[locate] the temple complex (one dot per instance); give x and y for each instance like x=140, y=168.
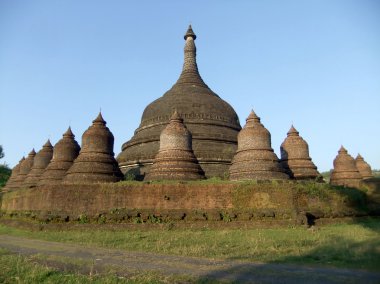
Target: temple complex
x=25, y=168
x=255, y=158
x=345, y=172
x=363, y=167
x=213, y=123
x=96, y=162
x=65, y=152
x=295, y=157
x=41, y=161
x=175, y=159
x=12, y=181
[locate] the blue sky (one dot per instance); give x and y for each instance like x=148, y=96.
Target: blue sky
x=312, y=63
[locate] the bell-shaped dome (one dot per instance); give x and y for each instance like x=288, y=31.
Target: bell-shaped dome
x=295, y=157
x=254, y=135
x=12, y=181
x=25, y=168
x=345, y=172
x=41, y=161
x=96, y=162
x=175, y=159
x=65, y=152
x=363, y=167
x=255, y=158
x=213, y=123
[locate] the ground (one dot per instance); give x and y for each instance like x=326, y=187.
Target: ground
x=191, y=252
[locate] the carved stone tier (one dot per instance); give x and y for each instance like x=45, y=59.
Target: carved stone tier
x=65, y=152
x=363, y=167
x=12, y=181
x=213, y=122
x=255, y=158
x=25, y=168
x=41, y=161
x=175, y=159
x=345, y=172
x=96, y=162
x=295, y=157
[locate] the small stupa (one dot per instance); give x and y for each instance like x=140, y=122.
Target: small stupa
x=96, y=162
x=295, y=157
x=25, y=168
x=254, y=158
x=345, y=172
x=41, y=161
x=65, y=152
x=12, y=181
x=363, y=167
x=175, y=159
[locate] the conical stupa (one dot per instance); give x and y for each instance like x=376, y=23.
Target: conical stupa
x=12, y=181
x=363, y=167
x=345, y=172
x=295, y=157
x=65, y=152
x=213, y=123
x=41, y=161
x=255, y=158
x=175, y=159
x=96, y=162
x=25, y=168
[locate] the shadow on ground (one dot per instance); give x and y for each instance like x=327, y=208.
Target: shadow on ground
x=313, y=267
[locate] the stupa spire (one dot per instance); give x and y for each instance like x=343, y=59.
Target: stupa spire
x=190, y=73
x=252, y=117
x=293, y=131
x=176, y=117
x=190, y=33
x=99, y=119
x=69, y=133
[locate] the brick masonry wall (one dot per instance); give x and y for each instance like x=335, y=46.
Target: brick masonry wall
x=285, y=200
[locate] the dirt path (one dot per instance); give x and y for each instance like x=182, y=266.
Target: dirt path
x=74, y=257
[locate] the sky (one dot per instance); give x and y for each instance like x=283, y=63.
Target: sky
x=315, y=64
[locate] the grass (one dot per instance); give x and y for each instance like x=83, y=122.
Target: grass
x=21, y=269
x=340, y=245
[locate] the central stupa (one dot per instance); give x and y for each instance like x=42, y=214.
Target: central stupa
x=213, y=123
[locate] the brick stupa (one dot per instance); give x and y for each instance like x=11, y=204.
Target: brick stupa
x=41, y=161
x=345, y=172
x=96, y=162
x=213, y=123
x=25, y=168
x=65, y=152
x=255, y=158
x=363, y=167
x=175, y=159
x=12, y=181
x=295, y=157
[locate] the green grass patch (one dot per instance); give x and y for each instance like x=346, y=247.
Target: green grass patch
x=30, y=269
x=341, y=245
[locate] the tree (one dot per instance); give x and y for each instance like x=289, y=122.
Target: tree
x=5, y=171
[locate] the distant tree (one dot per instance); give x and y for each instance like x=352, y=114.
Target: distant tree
x=1, y=152
x=5, y=171
x=376, y=172
x=326, y=175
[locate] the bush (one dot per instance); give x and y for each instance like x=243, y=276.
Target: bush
x=5, y=173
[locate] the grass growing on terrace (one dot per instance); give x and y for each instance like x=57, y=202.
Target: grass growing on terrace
x=341, y=245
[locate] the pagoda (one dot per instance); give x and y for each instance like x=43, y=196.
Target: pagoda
x=175, y=159
x=213, y=123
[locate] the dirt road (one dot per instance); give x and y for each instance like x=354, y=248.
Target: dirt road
x=97, y=260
